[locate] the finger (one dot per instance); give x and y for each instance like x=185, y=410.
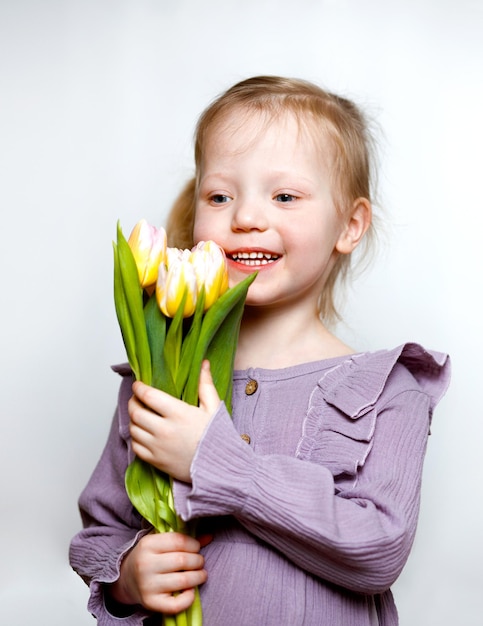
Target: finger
x=142, y=418
x=173, y=604
x=176, y=582
x=141, y=446
x=172, y=542
x=146, y=395
x=208, y=395
x=158, y=401
x=169, y=564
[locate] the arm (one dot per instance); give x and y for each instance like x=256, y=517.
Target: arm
x=111, y=526
x=115, y=553
x=358, y=538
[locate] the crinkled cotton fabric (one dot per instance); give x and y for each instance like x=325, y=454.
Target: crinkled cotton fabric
x=310, y=489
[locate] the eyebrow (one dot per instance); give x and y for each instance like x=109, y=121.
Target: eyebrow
x=273, y=175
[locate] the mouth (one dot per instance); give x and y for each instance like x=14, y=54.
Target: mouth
x=253, y=259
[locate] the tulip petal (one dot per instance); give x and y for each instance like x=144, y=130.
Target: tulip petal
x=177, y=282
x=209, y=261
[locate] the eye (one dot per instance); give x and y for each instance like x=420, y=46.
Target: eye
x=219, y=198
x=285, y=197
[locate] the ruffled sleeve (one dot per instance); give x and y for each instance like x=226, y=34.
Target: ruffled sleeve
x=343, y=408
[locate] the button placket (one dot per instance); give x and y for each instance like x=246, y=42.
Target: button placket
x=250, y=388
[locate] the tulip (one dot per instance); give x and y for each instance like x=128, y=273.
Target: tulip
x=174, y=281
x=209, y=261
x=148, y=246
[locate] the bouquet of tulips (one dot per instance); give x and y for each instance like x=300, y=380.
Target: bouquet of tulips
x=174, y=309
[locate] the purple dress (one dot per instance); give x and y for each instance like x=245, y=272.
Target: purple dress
x=311, y=492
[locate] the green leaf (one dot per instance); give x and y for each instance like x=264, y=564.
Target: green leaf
x=221, y=352
x=123, y=316
x=146, y=488
x=189, y=343
x=134, y=299
x=172, y=345
x=212, y=321
x=156, y=329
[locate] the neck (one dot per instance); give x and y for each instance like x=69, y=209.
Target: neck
x=277, y=338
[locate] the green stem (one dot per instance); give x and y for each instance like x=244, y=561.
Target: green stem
x=182, y=619
x=195, y=611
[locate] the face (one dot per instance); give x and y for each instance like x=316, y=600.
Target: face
x=265, y=196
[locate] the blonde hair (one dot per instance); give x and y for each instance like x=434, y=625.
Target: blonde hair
x=335, y=117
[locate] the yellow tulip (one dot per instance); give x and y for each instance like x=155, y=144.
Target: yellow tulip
x=148, y=245
x=174, y=280
x=211, y=270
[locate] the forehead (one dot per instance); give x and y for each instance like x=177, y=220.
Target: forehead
x=240, y=130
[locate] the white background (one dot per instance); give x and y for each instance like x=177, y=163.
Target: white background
x=98, y=103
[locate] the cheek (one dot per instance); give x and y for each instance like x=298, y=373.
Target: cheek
x=200, y=229
x=206, y=226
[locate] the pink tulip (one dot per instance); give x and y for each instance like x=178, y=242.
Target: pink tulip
x=211, y=270
x=148, y=245
x=174, y=280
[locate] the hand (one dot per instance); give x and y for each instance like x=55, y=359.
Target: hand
x=160, y=565
x=166, y=431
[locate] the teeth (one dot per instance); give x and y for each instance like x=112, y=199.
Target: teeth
x=254, y=258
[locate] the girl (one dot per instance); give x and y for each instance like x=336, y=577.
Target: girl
x=309, y=495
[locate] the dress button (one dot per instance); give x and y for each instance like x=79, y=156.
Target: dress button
x=245, y=437
x=251, y=387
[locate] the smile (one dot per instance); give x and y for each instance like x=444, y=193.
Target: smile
x=254, y=258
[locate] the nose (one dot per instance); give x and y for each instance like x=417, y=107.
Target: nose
x=249, y=215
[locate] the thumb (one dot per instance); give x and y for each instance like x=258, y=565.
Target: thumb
x=209, y=398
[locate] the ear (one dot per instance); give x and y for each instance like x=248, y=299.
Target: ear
x=356, y=227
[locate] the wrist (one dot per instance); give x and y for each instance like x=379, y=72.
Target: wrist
x=118, y=609
x=119, y=592
x=118, y=601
